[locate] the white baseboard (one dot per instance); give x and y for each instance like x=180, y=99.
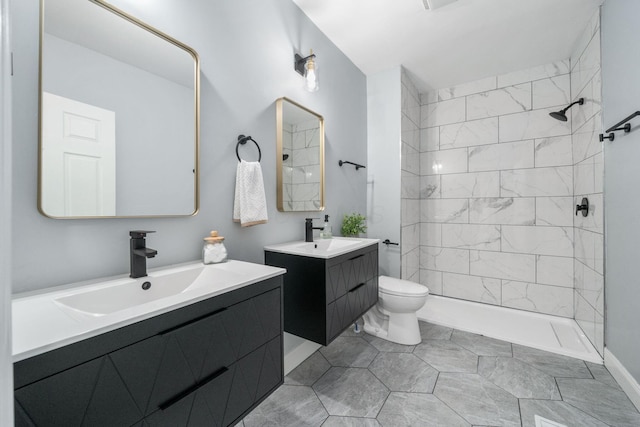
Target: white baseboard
x=623, y=377
x=298, y=355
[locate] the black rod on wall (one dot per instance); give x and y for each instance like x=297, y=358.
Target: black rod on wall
x=342, y=162
x=626, y=128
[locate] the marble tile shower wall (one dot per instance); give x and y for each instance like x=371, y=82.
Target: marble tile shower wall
x=410, y=180
x=587, y=182
x=302, y=168
x=496, y=191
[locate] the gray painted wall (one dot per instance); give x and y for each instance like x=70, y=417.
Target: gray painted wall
x=621, y=97
x=246, y=50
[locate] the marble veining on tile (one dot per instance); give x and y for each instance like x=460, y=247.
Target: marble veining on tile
x=341, y=392
x=605, y=403
x=506, y=100
x=481, y=403
x=518, y=378
x=413, y=409
x=404, y=372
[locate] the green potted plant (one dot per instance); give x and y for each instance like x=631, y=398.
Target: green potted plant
x=353, y=225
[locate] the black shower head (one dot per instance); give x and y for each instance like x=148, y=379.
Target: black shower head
x=560, y=115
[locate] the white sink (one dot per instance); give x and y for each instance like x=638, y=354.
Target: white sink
x=123, y=294
x=322, y=248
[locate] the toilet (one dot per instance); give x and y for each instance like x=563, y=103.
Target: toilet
x=394, y=318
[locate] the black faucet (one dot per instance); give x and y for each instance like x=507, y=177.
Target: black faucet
x=308, y=229
x=139, y=253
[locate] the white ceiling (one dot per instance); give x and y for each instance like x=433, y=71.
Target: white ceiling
x=458, y=43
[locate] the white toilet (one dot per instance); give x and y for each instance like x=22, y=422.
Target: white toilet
x=394, y=318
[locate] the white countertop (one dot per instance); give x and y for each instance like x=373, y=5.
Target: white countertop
x=40, y=324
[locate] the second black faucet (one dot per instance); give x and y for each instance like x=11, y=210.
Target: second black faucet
x=308, y=229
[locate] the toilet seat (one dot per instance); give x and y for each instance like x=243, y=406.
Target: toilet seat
x=404, y=288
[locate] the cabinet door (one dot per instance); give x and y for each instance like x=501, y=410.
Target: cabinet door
x=337, y=314
x=91, y=394
x=252, y=323
x=254, y=377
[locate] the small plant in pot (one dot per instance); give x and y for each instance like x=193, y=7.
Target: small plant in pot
x=353, y=225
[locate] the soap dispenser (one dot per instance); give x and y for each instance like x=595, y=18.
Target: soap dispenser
x=325, y=233
x=214, y=251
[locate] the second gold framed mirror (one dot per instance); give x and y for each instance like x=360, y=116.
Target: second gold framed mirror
x=299, y=157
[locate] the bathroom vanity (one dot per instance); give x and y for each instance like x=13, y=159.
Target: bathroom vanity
x=204, y=356
x=329, y=284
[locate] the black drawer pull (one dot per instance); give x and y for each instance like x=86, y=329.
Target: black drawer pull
x=182, y=325
x=356, y=257
x=356, y=287
x=175, y=399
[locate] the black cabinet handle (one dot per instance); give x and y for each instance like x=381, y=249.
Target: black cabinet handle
x=356, y=287
x=356, y=257
x=182, y=325
x=175, y=399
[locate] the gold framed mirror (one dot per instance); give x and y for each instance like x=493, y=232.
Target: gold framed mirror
x=119, y=115
x=299, y=157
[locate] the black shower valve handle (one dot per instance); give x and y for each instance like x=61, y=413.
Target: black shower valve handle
x=584, y=207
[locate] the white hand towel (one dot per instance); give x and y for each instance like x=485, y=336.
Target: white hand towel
x=249, y=204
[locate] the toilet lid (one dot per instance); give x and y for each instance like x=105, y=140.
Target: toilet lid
x=393, y=286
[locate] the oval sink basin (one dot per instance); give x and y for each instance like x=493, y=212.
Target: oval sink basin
x=322, y=248
x=123, y=294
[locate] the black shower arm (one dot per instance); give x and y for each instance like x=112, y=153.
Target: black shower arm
x=626, y=128
x=579, y=101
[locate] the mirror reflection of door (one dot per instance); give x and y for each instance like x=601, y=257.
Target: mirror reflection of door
x=79, y=151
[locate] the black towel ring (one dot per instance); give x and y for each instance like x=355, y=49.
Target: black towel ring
x=243, y=140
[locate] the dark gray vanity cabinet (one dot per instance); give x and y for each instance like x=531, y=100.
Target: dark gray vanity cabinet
x=207, y=364
x=322, y=297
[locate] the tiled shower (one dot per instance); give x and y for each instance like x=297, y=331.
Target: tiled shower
x=490, y=184
x=301, y=178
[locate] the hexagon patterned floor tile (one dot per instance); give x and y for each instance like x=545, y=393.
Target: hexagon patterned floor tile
x=453, y=378
x=404, y=372
x=288, y=406
x=351, y=392
x=518, y=378
x=349, y=352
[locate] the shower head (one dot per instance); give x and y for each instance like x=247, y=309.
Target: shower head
x=561, y=115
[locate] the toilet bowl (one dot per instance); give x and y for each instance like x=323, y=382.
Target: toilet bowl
x=394, y=318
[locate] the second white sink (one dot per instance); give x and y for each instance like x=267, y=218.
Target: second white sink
x=322, y=248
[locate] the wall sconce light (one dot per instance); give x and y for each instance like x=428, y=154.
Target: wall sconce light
x=306, y=67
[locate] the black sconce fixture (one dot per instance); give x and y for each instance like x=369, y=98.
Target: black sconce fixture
x=560, y=115
x=306, y=67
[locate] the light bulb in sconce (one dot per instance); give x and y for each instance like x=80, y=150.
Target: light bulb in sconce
x=437, y=167
x=308, y=69
x=310, y=75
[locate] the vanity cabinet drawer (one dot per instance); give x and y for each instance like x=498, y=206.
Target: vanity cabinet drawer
x=192, y=368
x=350, y=270
x=224, y=397
x=344, y=311
x=322, y=297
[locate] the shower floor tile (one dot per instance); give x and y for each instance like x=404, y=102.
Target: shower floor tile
x=452, y=378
